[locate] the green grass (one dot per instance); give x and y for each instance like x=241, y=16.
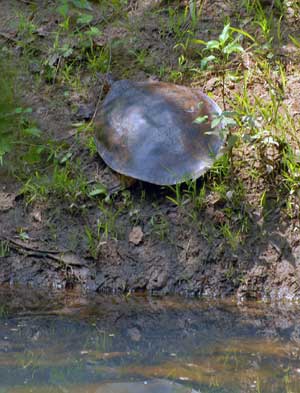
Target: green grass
x=4, y=248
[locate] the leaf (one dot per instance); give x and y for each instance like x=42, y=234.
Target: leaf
x=82, y=4
x=33, y=131
x=66, y=157
x=33, y=155
x=294, y=41
x=20, y=110
x=66, y=51
x=213, y=44
x=232, y=140
x=223, y=37
x=201, y=119
x=63, y=10
x=100, y=189
x=228, y=122
x=233, y=47
x=84, y=19
x=173, y=200
x=229, y=113
x=94, y=31
x=196, y=41
x=216, y=122
x=206, y=60
x=24, y=235
x=240, y=31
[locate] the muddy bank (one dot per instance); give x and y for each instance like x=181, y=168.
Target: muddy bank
x=172, y=257
x=233, y=233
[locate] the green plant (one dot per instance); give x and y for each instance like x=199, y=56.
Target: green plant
x=99, y=61
x=4, y=248
x=93, y=242
x=26, y=29
x=106, y=223
x=177, y=23
x=65, y=6
x=195, y=9
x=21, y=144
x=263, y=22
x=64, y=182
x=291, y=172
x=220, y=171
x=232, y=237
x=177, y=199
x=160, y=226
x=105, y=228
x=219, y=52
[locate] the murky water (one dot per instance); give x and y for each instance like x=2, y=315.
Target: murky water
x=103, y=344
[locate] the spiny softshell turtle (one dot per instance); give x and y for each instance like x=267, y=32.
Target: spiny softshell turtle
x=147, y=130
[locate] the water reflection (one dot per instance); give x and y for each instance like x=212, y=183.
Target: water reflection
x=109, y=344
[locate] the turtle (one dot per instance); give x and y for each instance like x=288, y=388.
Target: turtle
x=151, y=131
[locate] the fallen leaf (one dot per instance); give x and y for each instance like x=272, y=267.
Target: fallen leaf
x=136, y=235
x=37, y=215
x=6, y=201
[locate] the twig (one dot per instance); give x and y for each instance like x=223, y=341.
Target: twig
x=28, y=248
x=56, y=255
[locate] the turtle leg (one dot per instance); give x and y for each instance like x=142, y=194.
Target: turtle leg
x=124, y=183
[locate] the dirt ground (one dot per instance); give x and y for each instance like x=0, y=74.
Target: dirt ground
x=149, y=244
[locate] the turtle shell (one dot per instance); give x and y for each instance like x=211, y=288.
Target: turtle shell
x=146, y=130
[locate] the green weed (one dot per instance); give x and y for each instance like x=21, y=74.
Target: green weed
x=63, y=182
x=4, y=248
x=219, y=52
x=291, y=176
x=26, y=29
x=232, y=237
x=177, y=199
x=160, y=226
x=93, y=242
x=106, y=223
x=99, y=61
x=21, y=142
x=106, y=227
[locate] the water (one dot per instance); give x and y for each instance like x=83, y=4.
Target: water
x=71, y=343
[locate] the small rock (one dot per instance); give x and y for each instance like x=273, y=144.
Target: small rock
x=136, y=235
